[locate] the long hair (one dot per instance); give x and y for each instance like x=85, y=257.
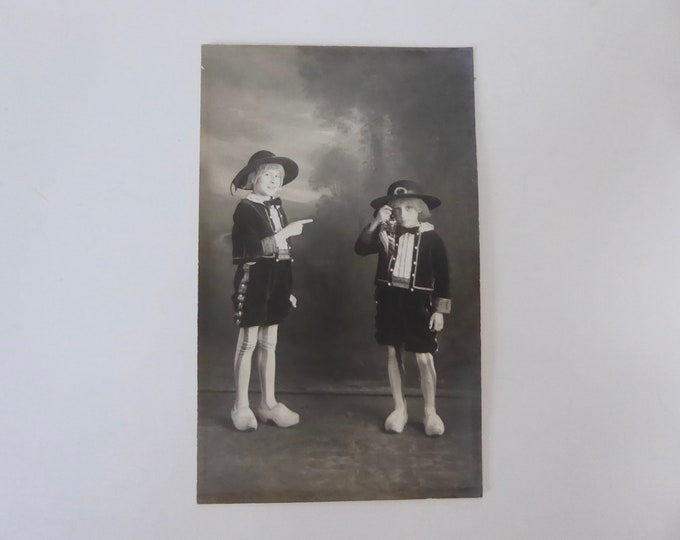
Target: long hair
x=254, y=176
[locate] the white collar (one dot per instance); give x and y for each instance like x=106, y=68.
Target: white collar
x=260, y=199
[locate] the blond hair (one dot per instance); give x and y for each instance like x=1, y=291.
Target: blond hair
x=254, y=176
x=423, y=210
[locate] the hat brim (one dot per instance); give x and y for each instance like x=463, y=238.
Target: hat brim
x=290, y=169
x=431, y=201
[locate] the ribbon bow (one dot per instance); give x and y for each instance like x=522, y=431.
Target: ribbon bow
x=272, y=202
x=401, y=230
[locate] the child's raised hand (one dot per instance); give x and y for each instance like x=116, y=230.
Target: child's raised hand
x=436, y=322
x=293, y=229
x=383, y=215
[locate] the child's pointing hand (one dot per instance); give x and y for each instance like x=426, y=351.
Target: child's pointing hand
x=293, y=229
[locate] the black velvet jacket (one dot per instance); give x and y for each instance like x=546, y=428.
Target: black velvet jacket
x=430, y=271
x=252, y=237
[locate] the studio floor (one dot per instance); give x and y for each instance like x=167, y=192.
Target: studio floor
x=339, y=451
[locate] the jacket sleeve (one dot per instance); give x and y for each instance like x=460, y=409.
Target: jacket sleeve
x=441, y=296
x=246, y=242
x=368, y=242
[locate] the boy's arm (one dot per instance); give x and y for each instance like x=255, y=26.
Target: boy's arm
x=368, y=242
x=246, y=241
x=441, y=296
x=247, y=246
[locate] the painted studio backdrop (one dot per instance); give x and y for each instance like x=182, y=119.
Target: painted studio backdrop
x=354, y=120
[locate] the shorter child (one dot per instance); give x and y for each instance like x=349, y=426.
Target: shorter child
x=263, y=283
x=411, y=293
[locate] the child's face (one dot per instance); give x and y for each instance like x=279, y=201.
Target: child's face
x=406, y=212
x=268, y=181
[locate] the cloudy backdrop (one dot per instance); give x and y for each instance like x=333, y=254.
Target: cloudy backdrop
x=355, y=120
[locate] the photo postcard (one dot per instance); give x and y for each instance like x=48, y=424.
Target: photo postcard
x=339, y=308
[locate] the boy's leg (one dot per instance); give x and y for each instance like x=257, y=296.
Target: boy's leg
x=397, y=419
x=267, y=337
x=241, y=415
x=269, y=409
x=428, y=382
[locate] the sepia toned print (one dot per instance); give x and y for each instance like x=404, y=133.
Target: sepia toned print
x=366, y=416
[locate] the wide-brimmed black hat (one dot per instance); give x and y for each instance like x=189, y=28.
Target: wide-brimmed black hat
x=264, y=157
x=405, y=189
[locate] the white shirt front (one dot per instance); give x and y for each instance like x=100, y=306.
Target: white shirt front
x=401, y=273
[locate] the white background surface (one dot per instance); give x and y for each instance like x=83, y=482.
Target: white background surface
x=579, y=176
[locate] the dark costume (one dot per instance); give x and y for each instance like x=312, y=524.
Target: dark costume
x=406, y=299
x=404, y=306
x=263, y=281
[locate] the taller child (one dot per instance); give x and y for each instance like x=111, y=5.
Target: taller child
x=411, y=291
x=263, y=283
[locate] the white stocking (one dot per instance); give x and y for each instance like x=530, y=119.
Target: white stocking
x=247, y=339
x=394, y=375
x=396, y=421
x=266, y=362
x=428, y=379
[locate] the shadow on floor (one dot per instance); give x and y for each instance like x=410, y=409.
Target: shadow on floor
x=338, y=452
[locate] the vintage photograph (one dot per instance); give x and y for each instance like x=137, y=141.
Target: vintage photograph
x=338, y=301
